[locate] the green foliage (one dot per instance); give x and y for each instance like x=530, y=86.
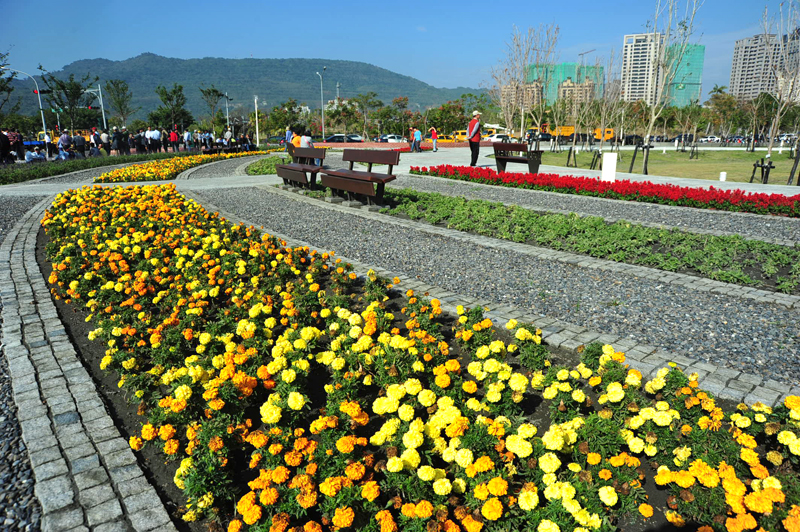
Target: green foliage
x=119, y=99
x=6, y=88
x=724, y=258
x=172, y=112
x=25, y=172
x=264, y=166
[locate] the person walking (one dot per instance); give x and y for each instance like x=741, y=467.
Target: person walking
x=434, y=137
x=474, y=137
x=418, y=140
x=125, y=141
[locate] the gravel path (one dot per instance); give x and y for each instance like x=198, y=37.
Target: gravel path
x=727, y=331
x=225, y=168
x=20, y=509
x=750, y=226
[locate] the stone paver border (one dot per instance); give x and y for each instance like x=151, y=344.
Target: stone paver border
x=723, y=382
x=86, y=476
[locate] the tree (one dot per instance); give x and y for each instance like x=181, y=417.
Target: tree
x=173, y=109
x=724, y=111
x=165, y=118
x=69, y=95
x=539, y=76
x=449, y=117
x=212, y=96
x=6, y=88
x=119, y=99
x=366, y=103
x=610, y=105
x=672, y=31
x=783, y=62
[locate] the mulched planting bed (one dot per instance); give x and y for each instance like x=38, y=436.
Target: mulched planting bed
x=225, y=338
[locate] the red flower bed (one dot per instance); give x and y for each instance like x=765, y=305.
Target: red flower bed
x=407, y=149
x=711, y=198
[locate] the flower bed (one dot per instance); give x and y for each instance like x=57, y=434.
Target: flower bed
x=281, y=387
x=165, y=169
x=713, y=198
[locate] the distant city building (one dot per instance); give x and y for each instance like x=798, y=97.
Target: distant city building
x=756, y=58
x=640, y=53
x=687, y=85
x=577, y=93
x=574, y=78
x=527, y=94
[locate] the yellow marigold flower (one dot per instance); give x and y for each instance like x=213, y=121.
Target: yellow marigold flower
x=646, y=510
x=423, y=509
x=135, y=443
x=492, y=509
x=370, y=490
x=498, y=486
x=546, y=525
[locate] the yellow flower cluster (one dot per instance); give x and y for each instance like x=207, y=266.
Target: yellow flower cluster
x=164, y=168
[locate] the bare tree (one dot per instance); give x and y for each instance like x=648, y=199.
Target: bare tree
x=783, y=61
x=610, y=105
x=672, y=27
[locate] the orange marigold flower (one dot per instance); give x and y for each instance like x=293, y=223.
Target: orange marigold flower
x=166, y=432
x=355, y=471
x=293, y=458
x=149, y=432
x=370, y=490
x=268, y=496
x=135, y=443
x=171, y=446
x=593, y=458
x=408, y=509
x=215, y=443
x=469, y=386
x=280, y=475
x=235, y=526
x=646, y=510
x=605, y=474
x=423, y=509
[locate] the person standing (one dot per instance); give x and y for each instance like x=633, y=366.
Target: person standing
x=173, y=139
x=125, y=141
x=5, y=147
x=227, y=137
x=48, y=142
x=80, y=144
x=287, y=138
x=474, y=137
x=105, y=140
x=434, y=137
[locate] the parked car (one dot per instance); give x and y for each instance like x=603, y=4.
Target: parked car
x=710, y=138
x=394, y=138
x=276, y=140
x=339, y=137
x=497, y=137
x=441, y=138
x=354, y=138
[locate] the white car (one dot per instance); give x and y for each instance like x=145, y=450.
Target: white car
x=497, y=137
x=394, y=138
x=710, y=138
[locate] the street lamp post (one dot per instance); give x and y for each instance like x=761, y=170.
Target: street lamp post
x=258, y=139
x=322, y=102
x=38, y=94
x=227, y=115
x=99, y=92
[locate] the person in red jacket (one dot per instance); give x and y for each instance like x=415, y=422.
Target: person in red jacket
x=474, y=136
x=173, y=140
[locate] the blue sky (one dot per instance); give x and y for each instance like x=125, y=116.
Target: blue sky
x=443, y=43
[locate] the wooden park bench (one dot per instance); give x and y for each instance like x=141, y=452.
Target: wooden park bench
x=503, y=155
x=370, y=184
x=302, y=171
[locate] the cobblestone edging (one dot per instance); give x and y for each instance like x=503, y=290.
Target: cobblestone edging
x=722, y=382
x=87, y=477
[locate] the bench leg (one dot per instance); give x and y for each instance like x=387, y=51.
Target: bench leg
x=379, y=194
x=501, y=165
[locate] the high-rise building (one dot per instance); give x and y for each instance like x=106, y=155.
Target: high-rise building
x=577, y=93
x=552, y=78
x=687, y=84
x=757, y=59
x=640, y=53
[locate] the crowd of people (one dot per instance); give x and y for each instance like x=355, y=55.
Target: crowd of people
x=119, y=141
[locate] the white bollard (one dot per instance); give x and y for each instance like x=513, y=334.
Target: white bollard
x=723, y=176
x=663, y=151
x=609, y=167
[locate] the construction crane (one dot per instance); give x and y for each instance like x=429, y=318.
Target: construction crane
x=581, y=55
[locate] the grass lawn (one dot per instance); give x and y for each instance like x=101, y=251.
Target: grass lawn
x=738, y=164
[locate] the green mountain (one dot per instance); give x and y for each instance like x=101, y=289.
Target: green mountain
x=273, y=80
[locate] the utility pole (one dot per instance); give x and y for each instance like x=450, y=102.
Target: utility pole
x=337, y=90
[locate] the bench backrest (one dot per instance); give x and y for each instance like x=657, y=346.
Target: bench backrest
x=371, y=157
x=302, y=155
x=510, y=147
